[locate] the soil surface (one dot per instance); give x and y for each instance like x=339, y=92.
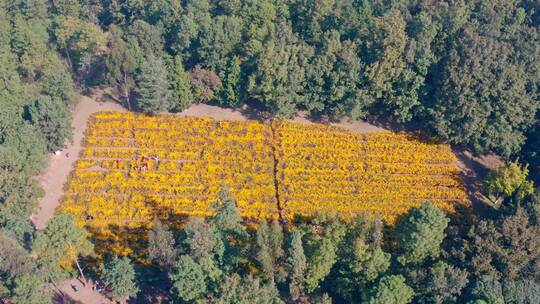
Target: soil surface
x=473, y=169
x=74, y=292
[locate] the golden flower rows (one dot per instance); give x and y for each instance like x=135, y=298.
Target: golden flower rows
x=324, y=168
x=134, y=165
x=137, y=167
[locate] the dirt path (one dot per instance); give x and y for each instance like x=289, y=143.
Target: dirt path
x=204, y=110
x=54, y=178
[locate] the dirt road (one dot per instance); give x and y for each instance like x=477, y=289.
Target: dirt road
x=55, y=176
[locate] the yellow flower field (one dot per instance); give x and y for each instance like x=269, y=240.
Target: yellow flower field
x=322, y=168
x=137, y=167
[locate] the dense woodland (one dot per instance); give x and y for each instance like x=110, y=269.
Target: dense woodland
x=467, y=72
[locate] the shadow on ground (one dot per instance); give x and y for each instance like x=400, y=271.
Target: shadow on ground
x=64, y=299
x=473, y=170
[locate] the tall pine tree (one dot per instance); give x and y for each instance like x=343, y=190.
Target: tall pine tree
x=297, y=265
x=230, y=90
x=153, y=86
x=182, y=96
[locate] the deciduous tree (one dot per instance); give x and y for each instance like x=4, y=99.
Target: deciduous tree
x=161, y=245
x=481, y=96
x=205, y=83
x=279, y=79
x=60, y=245
x=335, y=82
x=120, y=64
x=246, y=290
x=189, y=281
x=510, y=180
x=219, y=42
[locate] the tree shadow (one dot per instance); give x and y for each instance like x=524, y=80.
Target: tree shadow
x=154, y=285
x=130, y=238
x=64, y=299
x=255, y=111
x=471, y=175
x=113, y=239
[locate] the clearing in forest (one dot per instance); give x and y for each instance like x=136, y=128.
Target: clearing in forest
x=136, y=167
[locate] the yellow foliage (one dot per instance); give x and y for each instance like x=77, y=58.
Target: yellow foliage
x=136, y=167
x=324, y=168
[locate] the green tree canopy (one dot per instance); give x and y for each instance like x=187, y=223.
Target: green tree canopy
x=334, y=83
x=269, y=250
x=119, y=277
x=24, y=150
x=219, y=41
x=53, y=119
x=31, y=289
x=321, y=241
x=391, y=289
x=200, y=239
x=504, y=247
x=279, y=79
x=296, y=262
x=189, y=280
x=390, y=78
x=441, y=283
x=60, y=245
x=153, y=93
x=182, y=97
x=149, y=37
x=246, y=290
x=227, y=224
x=120, y=64
x=231, y=86
x=78, y=38
x=361, y=259
x=420, y=234
x=19, y=195
x=481, y=97
x=509, y=180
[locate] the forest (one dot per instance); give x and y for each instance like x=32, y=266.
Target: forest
x=465, y=72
